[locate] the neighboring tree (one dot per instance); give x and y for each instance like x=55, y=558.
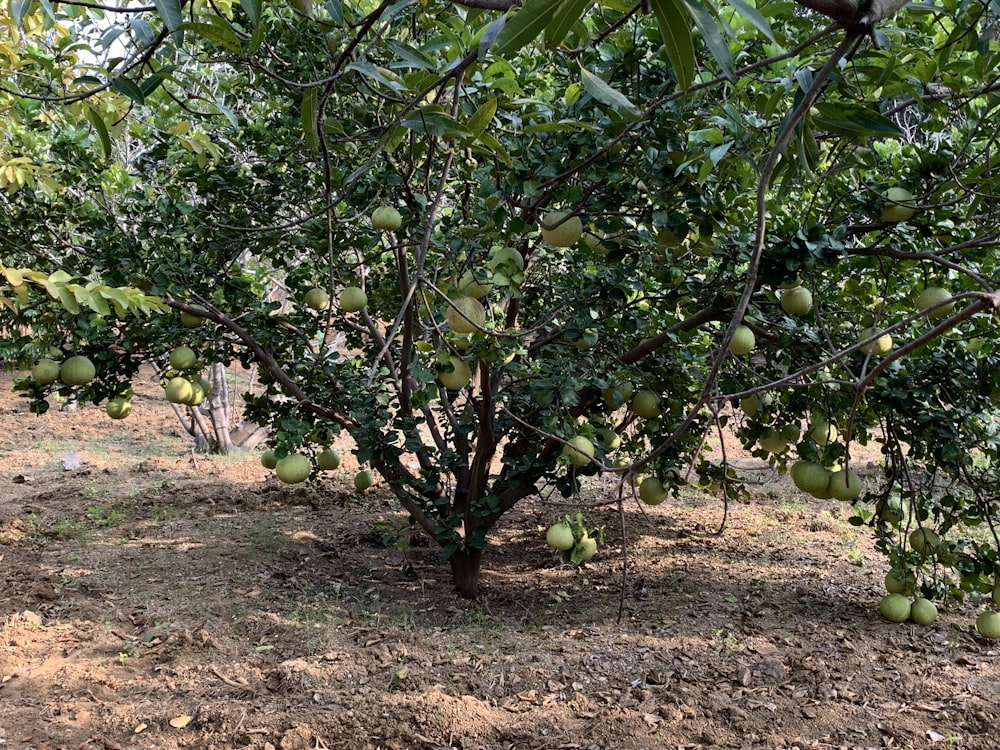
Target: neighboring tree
x=553, y=242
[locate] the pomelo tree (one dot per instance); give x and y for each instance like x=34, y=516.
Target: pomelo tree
x=538, y=232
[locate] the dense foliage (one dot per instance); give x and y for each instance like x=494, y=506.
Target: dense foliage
x=806, y=183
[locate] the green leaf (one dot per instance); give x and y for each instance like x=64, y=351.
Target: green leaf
x=488, y=143
x=851, y=119
x=129, y=88
x=482, y=117
x=601, y=90
x=755, y=17
x=253, y=9
x=567, y=13
x=524, y=26
x=305, y=7
x=65, y=296
x=97, y=122
x=19, y=9
x=714, y=40
x=309, y=104
x=216, y=32
x=675, y=29
x=170, y=12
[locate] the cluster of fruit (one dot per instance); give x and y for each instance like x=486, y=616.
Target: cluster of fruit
x=183, y=384
x=573, y=539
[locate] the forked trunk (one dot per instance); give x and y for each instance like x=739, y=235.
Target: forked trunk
x=465, y=567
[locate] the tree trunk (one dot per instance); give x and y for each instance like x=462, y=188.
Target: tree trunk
x=465, y=567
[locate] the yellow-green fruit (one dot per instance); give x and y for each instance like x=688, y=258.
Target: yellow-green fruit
x=900, y=582
x=561, y=232
x=615, y=396
x=183, y=358
x=923, y=611
x=317, y=298
x=77, y=370
x=845, y=485
x=205, y=384
x=823, y=432
x=588, y=548
x=811, y=477
x=268, y=460
x=118, y=408
x=935, y=295
x=327, y=459
x=293, y=468
x=646, y=404
x=743, y=341
x=560, y=537
x=363, y=480
x=797, y=301
x=790, y=432
x=899, y=206
x=190, y=320
x=179, y=390
x=751, y=405
x=609, y=437
x=652, y=491
x=894, y=607
x=924, y=541
x=772, y=441
x=891, y=511
x=353, y=299
x=387, y=219
x=45, y=371
x=502, y=256
x=579, y=450
x=475, y=284
x=197, y=394
x=457, y=377
x=880, y=346
x=988, y=624
x=465, y=315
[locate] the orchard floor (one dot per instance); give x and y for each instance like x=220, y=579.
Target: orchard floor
x=154, y=599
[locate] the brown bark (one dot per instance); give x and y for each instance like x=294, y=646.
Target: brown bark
x=466, y=565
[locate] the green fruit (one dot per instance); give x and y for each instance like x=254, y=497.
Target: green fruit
x=179, y=390
x=118, y=408
x=935, y=295
x=353, y=299
x=501, y=256
x=823, y=432
x=790, y=432
x=797, y=301
x=190, y=320
x=811, y=477
x=465, y=315
x=197, y=394
x=293, y=468
x=268, y=460
x=988, y=624
x=327, y=459
x=646, y=404
x=894, y=607
x=45, y=371
x=609, y=437
x=458, y=376
x=77, y=370
x=880, y=346
x=899, y=206
x=923, y=611
x=386, y=218
x=924, y=541
x=183, y=358
x=317, y=299
x=892, y=511
x=579, y=450
x=900, y=582
x=751, y=405
x=475, y=284
x=363, y=480
x=743, y=341
x=773, y=441
x=588, y=548
x=561, y=231
x=845, y=485
x=616, y=396
x=560, y=537
x=652, y=491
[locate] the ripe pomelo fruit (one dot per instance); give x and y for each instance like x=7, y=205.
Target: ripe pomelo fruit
x=475, y=283
x=988, y=624
x=190, y=320
x=899, y=206
x=894, y=607
x=386, y=218
x=609, y=437
x=880, y=346
x=615, y=396
x=561, y=231
x=588, y=548
x=924, y=541
x=900, y=582
x=179, y=390
x=923, y=611
x=646, y=404
x=317, y=298
x=810, y=477
x=823, y=432
x=772, y=441
x=652, y=491
x=503, y=256
x=45, y=371
x=293, y=468
x=465, y=315
x=457, y=377
x=845, y=485
x=751, y=405
x=797, y=301
x=353, y=299
x=579, y=450
x=743, y=341
x=560, y=537
x=327, y=459
x=183, y=358
x=935, y=295
x=363, y=480
x=77, y=370
x=118, y=408
x=268, y=460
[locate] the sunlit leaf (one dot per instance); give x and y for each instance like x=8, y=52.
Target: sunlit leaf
x=675, y=29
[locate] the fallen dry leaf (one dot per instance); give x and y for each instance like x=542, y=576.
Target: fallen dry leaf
x=179, y=722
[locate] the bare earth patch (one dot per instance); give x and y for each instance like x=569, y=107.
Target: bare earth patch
x=154, y=599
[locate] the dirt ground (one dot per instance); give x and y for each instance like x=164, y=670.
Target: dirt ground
x=156, y=599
